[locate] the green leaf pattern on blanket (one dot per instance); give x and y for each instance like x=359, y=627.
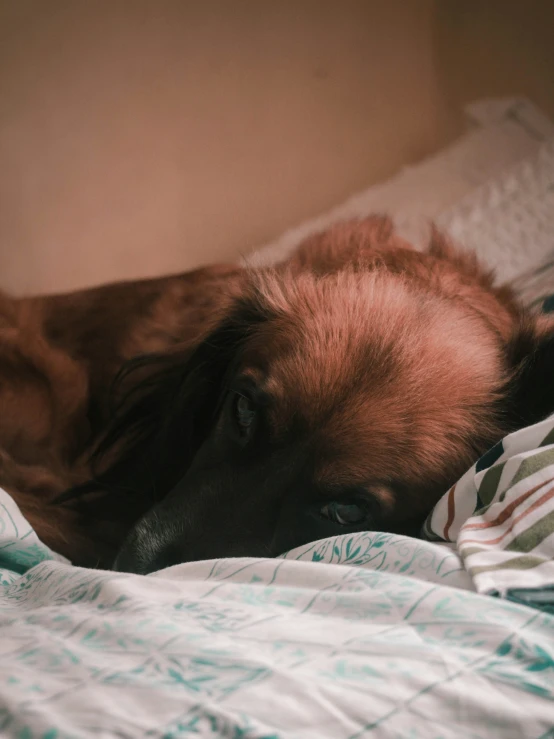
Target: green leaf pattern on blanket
x=221, y=648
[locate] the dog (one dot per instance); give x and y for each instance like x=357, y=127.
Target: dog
x=243, y=412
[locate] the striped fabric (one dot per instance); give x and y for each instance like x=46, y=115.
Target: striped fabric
x=500, y=514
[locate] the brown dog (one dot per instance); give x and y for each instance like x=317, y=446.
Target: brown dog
x=343, y=390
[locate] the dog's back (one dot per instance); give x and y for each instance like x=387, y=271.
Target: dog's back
x=58, y=358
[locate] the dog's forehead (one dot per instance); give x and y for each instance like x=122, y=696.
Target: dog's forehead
x=331, y=339
x=372, y=371
x=320, y=333
x=335, y=347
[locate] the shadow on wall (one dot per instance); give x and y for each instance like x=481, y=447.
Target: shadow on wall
x=498, y=47
x=142, y=138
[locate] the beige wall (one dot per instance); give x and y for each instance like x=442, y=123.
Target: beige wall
x=141, y=137
x=496, y=47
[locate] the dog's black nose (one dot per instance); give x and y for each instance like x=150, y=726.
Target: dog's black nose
x=144, y=552
x=135, y=561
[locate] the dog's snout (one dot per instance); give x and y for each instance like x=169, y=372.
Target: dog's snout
x=149, y=549
x=213, y=523
x=134, y=561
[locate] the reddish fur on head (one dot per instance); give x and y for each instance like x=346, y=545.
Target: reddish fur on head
x=389, y=373
x=394, y=360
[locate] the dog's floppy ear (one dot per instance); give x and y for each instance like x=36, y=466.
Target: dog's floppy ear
x=532, y=386
x=164, y=407
x=352, y=243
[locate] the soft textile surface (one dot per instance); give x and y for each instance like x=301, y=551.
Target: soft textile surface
x=331, y=641
x=535, y=286
x=501, y=517
x=20, y=547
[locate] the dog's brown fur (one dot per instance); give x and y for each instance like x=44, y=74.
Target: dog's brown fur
x=58, y=358
x=403, y=364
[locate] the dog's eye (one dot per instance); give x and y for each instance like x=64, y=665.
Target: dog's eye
x=345, y=514
x=245, y=413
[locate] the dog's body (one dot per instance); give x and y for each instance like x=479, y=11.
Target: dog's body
x=58, y=359
x=344, y=389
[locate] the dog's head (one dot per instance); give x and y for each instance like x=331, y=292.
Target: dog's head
x=320, y=405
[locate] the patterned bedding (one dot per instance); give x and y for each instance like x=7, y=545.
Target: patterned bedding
x=500, y=515
x=361, y=636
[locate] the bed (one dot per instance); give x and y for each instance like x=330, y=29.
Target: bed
x=365, y=635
